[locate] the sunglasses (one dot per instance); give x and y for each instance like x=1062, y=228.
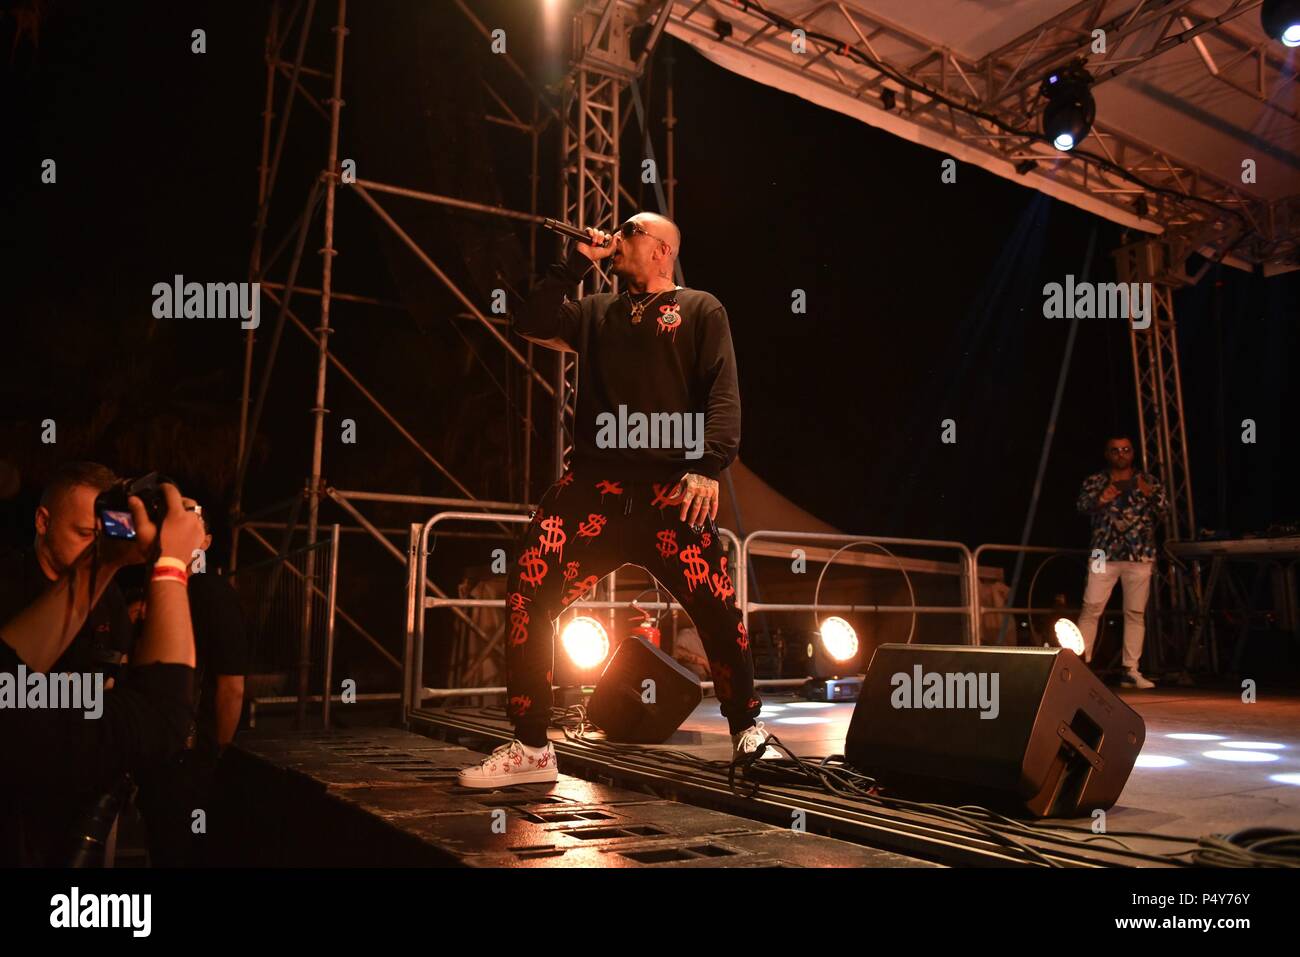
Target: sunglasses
x=630, y=229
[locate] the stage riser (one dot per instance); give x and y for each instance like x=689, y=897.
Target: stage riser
x=383, y=797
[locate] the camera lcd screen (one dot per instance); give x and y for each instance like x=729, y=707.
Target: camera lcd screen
x=117, y=524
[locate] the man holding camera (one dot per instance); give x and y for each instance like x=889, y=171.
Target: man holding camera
x=61, y=756
x=65, y=528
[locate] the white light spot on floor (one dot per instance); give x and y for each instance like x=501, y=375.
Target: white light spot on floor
x=1158, y=761
x=812, y=704
x=1286, y=779
x=812, y=720
x=1254, y=757
x=1189, y=736
x=1255, y=745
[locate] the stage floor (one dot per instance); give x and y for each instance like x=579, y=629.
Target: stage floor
x=375, y=796
x=1182, y=785
x=1210, y=765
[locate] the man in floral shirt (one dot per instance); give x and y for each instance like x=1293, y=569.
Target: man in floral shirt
x=1122, y=506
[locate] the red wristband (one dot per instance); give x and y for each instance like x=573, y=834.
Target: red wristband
x=165, y=573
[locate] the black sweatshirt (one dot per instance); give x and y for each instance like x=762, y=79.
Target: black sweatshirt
x=672, y=372
x=57, y=762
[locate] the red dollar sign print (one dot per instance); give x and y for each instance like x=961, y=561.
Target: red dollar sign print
x=570, y=571
x=743, y=640
x=518, y=618
x=705, y=540
x=608, y=488
x=554, y=538
x=670, y=319
x=518, y=627
x=663, y=497
x=565, y=481
x=721, y=583
x=532, y=567
x=697, y=569
x=667, y=543
x=519, y=705
x=581, y=588
x=591, y=527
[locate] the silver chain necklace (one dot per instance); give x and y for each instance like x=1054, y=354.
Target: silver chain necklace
x=638, y=308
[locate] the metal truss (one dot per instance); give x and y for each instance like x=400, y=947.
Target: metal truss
x=589, y=123
x=589, y=164
x=1162, y=433
x=1003, y=84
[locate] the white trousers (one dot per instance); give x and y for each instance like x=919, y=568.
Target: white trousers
x=1136, y=579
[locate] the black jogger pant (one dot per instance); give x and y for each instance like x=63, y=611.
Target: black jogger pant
x=586, y=526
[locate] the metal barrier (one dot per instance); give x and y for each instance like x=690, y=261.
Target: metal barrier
x=967, y=576
x=1029, y=608
x=418, y=600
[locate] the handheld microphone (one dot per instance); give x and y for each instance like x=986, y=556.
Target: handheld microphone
x=573, y=232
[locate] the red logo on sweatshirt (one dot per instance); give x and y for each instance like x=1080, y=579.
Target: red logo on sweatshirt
x=670, y=318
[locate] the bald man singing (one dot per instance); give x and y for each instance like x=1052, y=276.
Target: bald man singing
x=657, y=420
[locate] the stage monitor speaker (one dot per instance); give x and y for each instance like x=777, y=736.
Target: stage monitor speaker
x=628, y=709
x=1013, y=729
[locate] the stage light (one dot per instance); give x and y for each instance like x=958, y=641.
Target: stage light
x=1070, y=108
x=839, y=639
x=1157, y=761
x=1254, y=745
x=1069, y=636
x=887, y=98
x=1194, y=736
x=1281, y=20
x=585, y=641
x=1242, y=757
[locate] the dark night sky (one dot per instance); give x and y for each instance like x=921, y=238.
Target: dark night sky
x=924, y=298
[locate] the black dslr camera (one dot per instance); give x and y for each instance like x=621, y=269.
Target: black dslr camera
x=114, y=512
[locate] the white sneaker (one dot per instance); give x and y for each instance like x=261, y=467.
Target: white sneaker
x=1134, y=679
x=744, y=744
x=511, y=764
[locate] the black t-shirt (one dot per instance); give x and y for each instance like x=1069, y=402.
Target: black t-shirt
x=106, y=635
x=220, y=642
x=677, y=361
